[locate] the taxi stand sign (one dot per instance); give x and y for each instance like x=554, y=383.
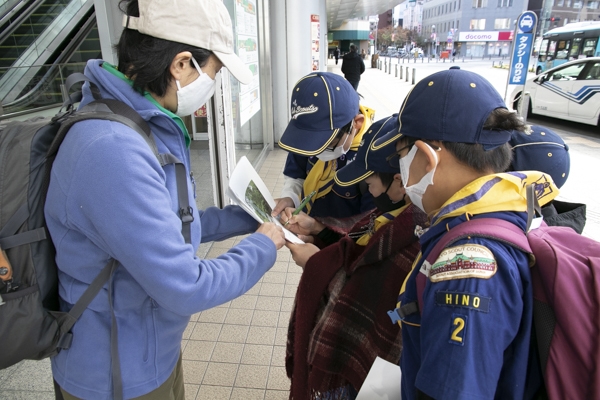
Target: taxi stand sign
x=522, y=47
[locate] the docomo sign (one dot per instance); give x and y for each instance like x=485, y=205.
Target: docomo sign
x=484, y=36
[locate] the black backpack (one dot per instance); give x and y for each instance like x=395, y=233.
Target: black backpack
x=31, y=327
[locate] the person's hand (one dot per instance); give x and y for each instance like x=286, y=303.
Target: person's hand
x=302, y=252
x=273, y=232
x=281, y=204
x=300, y=224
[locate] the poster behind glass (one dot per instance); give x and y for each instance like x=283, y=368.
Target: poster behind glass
x=246, y=99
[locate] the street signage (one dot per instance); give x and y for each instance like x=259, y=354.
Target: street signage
x=522, y=47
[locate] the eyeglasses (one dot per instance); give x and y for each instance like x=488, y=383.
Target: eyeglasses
x=394, y=158
x=336, y=143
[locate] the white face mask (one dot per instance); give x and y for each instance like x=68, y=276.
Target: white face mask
x=194, y=95
x=416, y=191
x=339, y=151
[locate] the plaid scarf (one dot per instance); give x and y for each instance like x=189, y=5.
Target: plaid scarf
x=339, y=323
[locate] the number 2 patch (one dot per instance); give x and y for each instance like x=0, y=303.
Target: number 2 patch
x=458, y=329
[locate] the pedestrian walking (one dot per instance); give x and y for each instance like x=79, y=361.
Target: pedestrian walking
x=336, y=54
x=352, y=67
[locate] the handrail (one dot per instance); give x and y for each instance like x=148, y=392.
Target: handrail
x=8, y=8
x=64, y=56
x=44, y=45
x=17, y=22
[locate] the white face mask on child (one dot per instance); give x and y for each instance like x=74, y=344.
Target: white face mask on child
x=194, y=95
x=339, y=151
x=415, y=192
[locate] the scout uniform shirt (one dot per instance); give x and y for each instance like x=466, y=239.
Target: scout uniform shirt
x=470, y=339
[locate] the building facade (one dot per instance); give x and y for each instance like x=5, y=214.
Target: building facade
x=472, y=28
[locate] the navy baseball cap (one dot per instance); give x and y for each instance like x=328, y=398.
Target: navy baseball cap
x=372, y=153
x=541, y=149
x=322, y=103
x=452, y=106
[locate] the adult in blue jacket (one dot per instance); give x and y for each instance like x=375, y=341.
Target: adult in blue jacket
x=110, y=198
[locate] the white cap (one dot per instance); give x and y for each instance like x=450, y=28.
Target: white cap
x=199, y=23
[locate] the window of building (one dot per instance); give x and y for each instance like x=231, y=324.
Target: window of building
x=593, y=5
x=577, y=4
x=560, y=3
x=568, y=3
x=479, y=3
x=477, y=24
x=502, y=23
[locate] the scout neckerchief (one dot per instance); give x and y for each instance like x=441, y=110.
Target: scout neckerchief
x=320, y=177
x=497, y=192
x=379, y=222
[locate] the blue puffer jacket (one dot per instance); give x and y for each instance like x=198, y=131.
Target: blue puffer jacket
x=109, y=197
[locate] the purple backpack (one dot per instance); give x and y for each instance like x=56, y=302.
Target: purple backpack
x=566, y=289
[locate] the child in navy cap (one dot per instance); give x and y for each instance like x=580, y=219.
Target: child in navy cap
x=323, y=135
x=541, y=149
x=332, y=343
x=466, y=316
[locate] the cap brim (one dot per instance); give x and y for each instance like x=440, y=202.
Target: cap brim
x=365, y=165
x=352, y=173
x=236, y=66
x=306, y=142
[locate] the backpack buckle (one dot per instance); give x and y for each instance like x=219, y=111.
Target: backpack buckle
x=186, y=215
x=399, y=313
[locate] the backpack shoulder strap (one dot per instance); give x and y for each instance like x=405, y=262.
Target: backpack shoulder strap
x=492, y=228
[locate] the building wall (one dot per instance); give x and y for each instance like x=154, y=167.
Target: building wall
x=470, y=15
x=291, y=51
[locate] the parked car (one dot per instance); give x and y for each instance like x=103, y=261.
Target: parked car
x=417, y=50
x=570, y=91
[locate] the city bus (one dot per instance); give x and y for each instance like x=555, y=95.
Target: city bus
x=570, y=42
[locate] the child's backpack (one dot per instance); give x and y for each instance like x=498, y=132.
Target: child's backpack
x=566, y=289
x=31, y=327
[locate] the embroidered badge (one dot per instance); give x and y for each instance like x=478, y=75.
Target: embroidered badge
x=473, y=301
x=299, y=110
x=464, y=261
x=458, y=329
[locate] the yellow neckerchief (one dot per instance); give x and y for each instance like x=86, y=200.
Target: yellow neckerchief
x=320, y=177
x=113, y=70
x=497, y=192
x=493, y=193
x=379, y=222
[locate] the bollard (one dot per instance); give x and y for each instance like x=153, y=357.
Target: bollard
x=413, y=77
x=493, y=64
x=390, y=70
x=406, y=77
x=396, y=71
x=401, y=69
x=463, y=58
x=444, y=60
x=422, y=60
